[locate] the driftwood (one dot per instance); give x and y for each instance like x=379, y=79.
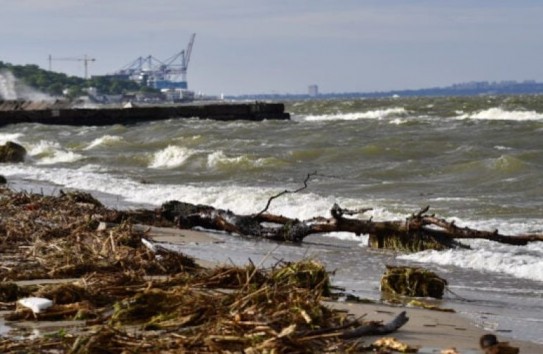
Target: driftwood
x=374, y=328
x=417, y=232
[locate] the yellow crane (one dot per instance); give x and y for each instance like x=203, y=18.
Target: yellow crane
x=85, y=60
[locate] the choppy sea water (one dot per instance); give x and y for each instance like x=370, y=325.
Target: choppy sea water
x=477, y=161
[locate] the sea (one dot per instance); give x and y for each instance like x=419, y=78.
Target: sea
x=477, y=161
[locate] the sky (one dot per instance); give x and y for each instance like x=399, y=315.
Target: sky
x=283, y=46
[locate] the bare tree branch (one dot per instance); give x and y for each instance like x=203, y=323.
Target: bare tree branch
x=307, y=178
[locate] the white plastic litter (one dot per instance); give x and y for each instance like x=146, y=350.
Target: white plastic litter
x=36, y=304
x=149, y=245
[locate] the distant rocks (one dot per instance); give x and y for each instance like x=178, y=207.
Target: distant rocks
x=12, y=152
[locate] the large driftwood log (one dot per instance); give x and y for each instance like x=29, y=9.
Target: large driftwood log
x=415, y=233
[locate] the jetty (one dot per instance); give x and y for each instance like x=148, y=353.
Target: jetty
x=60, y=113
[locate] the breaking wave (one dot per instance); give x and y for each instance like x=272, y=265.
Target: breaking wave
x=170, y=157
x=500, y=114
x=107, y=140
x=521, y=263
x=49, y=152
x=374, y=114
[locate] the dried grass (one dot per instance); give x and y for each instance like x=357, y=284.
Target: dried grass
x=226, y=309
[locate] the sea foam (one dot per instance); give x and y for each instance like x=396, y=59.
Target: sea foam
x=519, y=261
x=219, y=159
x=104, y=140
x=47, y=152
x=500, y=114
x=13, y=137
x=170, y=157
x=375, y=114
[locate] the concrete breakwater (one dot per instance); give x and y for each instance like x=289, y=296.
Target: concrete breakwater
x=13, y=112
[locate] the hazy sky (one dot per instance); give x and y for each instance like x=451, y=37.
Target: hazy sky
x=282, y=46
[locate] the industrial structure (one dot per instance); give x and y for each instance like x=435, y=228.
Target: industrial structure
x=169, y=74
x=85, y=61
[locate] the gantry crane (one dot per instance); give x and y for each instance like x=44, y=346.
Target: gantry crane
x=161, y=74
x=85, y=60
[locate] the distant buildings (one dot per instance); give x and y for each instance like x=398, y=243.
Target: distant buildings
x=313, y=90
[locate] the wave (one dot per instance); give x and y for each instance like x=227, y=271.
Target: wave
x=500, y=114
x=171, y=157
x=374, y=114
x=218, y=159
x=13, y=137
x=487, y=169
x=107, y=140
x=47, y=152
x=525, y=264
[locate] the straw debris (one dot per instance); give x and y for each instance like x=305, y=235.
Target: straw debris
x=129, y=298
x=413, y=282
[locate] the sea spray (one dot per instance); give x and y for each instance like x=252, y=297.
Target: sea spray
x=7, y=86
x=12, y=88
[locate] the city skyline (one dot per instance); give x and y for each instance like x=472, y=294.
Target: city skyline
x=283, y=47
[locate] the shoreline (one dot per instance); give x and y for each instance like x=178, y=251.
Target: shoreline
x=428, y=329
x=431, y=330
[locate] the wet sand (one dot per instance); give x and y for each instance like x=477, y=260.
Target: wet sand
x=429, y=330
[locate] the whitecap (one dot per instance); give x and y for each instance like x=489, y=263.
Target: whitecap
x=13, y=137
x=520, y=263
x=170, y=157
x=374, y=114
x=47, y=152
x=104, y=140
x=219, y=158
x=497, y=113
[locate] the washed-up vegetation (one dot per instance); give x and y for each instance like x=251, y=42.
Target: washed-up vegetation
x=128, y=297
x=412, y=282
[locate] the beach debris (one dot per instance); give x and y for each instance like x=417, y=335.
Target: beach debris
x=452, y=350
x=392, y=343
x=417, y=232
x=12, y=152
x=377, y=328
x=81, y=198
x=149, y=245
x=412, y=282
x=427, y=306
x=11, y=292
x=36, y=304
x=490, y=345
x=125, y=297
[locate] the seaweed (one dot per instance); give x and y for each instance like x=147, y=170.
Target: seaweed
x=413, y=282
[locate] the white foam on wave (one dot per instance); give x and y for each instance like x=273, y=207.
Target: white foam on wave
x=47, y=152
x=104, y=140
x=519, y=261
x=522, y=262
x=13, y=137
x=170, y=157
x=497, y=113
x=219, y=158
x=240, y=199
x=375, y=114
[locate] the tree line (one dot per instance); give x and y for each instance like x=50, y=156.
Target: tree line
x=59, y=84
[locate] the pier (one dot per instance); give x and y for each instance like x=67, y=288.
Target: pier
x=15, y=112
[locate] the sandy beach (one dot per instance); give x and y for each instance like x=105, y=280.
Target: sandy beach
x=429, y=330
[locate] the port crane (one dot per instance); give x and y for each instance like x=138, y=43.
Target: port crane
x=85, y=60
x=161, y=74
